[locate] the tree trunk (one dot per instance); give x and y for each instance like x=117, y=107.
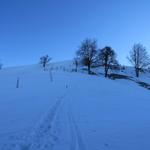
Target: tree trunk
x=76, y=68
x=17, y=85
x=137, y=72
x=44, y=66
x=89, y=69
x=106, y=71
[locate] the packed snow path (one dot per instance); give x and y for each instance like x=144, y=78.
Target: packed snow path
x=74, y=112
x=57, y=130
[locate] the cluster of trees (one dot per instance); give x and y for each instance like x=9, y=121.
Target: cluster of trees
x=90, y=55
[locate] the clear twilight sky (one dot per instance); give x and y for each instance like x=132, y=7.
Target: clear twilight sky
x=32, y=28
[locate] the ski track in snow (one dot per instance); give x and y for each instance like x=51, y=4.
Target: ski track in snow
x=42, y=137
x=45, y=135
x=77, y=140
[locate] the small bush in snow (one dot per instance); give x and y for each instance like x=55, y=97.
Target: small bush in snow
x=44, y=60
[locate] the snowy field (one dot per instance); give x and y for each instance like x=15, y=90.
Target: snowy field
x=71, y=111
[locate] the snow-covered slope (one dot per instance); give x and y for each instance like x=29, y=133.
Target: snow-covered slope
x=59, y=110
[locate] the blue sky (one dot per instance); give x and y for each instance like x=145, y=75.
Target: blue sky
x=32, y=28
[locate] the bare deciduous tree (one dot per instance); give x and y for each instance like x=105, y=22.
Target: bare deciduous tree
x=139, y=58
x=107, y=58
x=87, y=53
x=44, y=60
